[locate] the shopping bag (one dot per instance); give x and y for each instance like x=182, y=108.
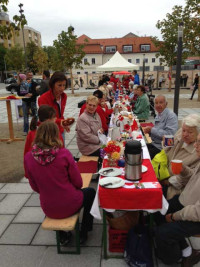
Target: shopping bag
x=138, y=251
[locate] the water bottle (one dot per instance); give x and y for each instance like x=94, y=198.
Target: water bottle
x=116, y=94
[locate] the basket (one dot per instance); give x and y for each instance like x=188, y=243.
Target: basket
x=124, y=222
x=117, y=240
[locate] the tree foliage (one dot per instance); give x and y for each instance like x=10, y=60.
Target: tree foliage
x=41, y=59
x=31, y=50
x=53, y=58
x=18, y=21
x=189, y=15
x=2, y=55
x=15, y=58
x=69, y=54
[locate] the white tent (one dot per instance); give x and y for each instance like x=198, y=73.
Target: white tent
x=117, y=63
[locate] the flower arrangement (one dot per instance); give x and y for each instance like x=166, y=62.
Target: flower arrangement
x=127, y=127
x=112, y=150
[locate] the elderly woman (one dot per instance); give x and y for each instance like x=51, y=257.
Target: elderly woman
x=182, y=221
x=141, y=108
x=183, y=149
x=87, y=127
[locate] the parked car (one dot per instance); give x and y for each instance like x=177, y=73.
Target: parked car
x=13, y=86
x=10, y=80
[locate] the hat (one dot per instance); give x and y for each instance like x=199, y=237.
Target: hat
x=98, y=94
x=22, y=76
x=135, y=86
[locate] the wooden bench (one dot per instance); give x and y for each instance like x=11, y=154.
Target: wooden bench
x=70, y=223
x=147, y=137
x=194, y=241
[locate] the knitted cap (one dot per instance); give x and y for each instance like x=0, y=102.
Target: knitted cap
x=22, y=76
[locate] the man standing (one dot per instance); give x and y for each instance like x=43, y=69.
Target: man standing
x=166, y=123
x=33, y=85
x=81, y=81
x=136, y=78
x=44, y=86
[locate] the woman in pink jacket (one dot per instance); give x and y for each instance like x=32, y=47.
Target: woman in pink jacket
x=53, y=173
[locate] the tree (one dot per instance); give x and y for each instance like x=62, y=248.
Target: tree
x=40, y=57
x=169, y=29
x=19, y=21
x=70, y=54
x=2, y=55
x=53, y=58
x=15, y=58
x=31, y=50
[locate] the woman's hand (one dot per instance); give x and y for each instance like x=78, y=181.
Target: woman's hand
x=101, y=130
x=169, y=218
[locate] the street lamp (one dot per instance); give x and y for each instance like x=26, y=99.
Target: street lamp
x=178, y=67
x=143, y=70
x=21, y=11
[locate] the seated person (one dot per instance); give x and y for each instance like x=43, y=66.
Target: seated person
x=87, y=128
x=182, y=220
x=183, y=149
x=99, y=110
x=141, y=108
x=166, y=123
x=54, y=175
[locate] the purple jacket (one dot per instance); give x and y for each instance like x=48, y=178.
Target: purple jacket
x=58, y=182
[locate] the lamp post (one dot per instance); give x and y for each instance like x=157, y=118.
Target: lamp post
x=178, y=67
x=143, y=70
x=21, y=11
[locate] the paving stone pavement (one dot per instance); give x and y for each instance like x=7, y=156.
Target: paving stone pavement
x=22, y=240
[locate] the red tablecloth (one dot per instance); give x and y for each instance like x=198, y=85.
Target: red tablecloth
x=132, y=198
x=145, y=124
x=87, y=166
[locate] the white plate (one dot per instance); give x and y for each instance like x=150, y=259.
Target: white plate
x=144, y=168
x=115, y=172
x=142, y=142
x=117, y=182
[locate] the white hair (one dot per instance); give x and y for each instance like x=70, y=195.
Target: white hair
x=135, y=86
x=192, y=120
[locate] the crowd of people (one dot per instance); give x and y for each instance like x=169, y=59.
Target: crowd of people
x=53, y=172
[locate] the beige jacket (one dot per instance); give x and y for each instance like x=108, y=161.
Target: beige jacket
x=190, y=197
x=87, y=133
x=190, y=160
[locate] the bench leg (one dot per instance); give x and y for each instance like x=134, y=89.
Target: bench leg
x=105, y=235
x=77, y=241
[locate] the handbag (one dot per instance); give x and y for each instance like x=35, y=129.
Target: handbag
x=160, y=165
x=138, y=251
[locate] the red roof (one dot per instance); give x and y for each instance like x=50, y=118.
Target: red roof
x=98, y=45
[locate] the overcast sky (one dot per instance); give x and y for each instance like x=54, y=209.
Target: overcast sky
x=96, y=19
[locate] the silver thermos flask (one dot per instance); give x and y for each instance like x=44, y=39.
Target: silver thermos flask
x=133, y=160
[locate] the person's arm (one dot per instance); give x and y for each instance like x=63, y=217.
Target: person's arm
x=170, y=128
x=188, y=213
x=85, y=132
x=73, y=171
x=31, y=180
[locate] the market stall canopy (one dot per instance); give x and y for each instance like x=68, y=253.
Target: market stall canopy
x=121, y=72
x=117, y=62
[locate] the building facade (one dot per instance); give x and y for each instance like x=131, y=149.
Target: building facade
x=30, y=34
x=133, y=48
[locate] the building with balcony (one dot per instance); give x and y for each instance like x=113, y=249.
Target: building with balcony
x=30, y=35
x=6, y=42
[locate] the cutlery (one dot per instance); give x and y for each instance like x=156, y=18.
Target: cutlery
x=107, y=171
x=116, y=182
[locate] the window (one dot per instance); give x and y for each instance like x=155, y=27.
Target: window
x=127, y=48
x=157, y=68
x=78, y=72
x=93, y=72
x=137, y=60
x=86, y=72
x=110, y=49
x=145, y=47
x=147, y=68
x=130, y=60
x=93, y=60
x=146, y=60
x=153, y=60
x=85, y=61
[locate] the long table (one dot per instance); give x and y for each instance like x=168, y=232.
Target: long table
x=12, y=138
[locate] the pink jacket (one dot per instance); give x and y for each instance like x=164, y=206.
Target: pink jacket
x=87, y=137
x=58, y=183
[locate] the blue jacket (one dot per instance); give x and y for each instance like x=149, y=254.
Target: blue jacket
x=136, y=79
x=166, y=123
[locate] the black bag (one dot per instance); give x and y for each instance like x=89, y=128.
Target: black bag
x=80, y=104
x=137, y=251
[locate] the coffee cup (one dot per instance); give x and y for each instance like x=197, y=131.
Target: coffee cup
x=176, y=166
x=168, y=140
